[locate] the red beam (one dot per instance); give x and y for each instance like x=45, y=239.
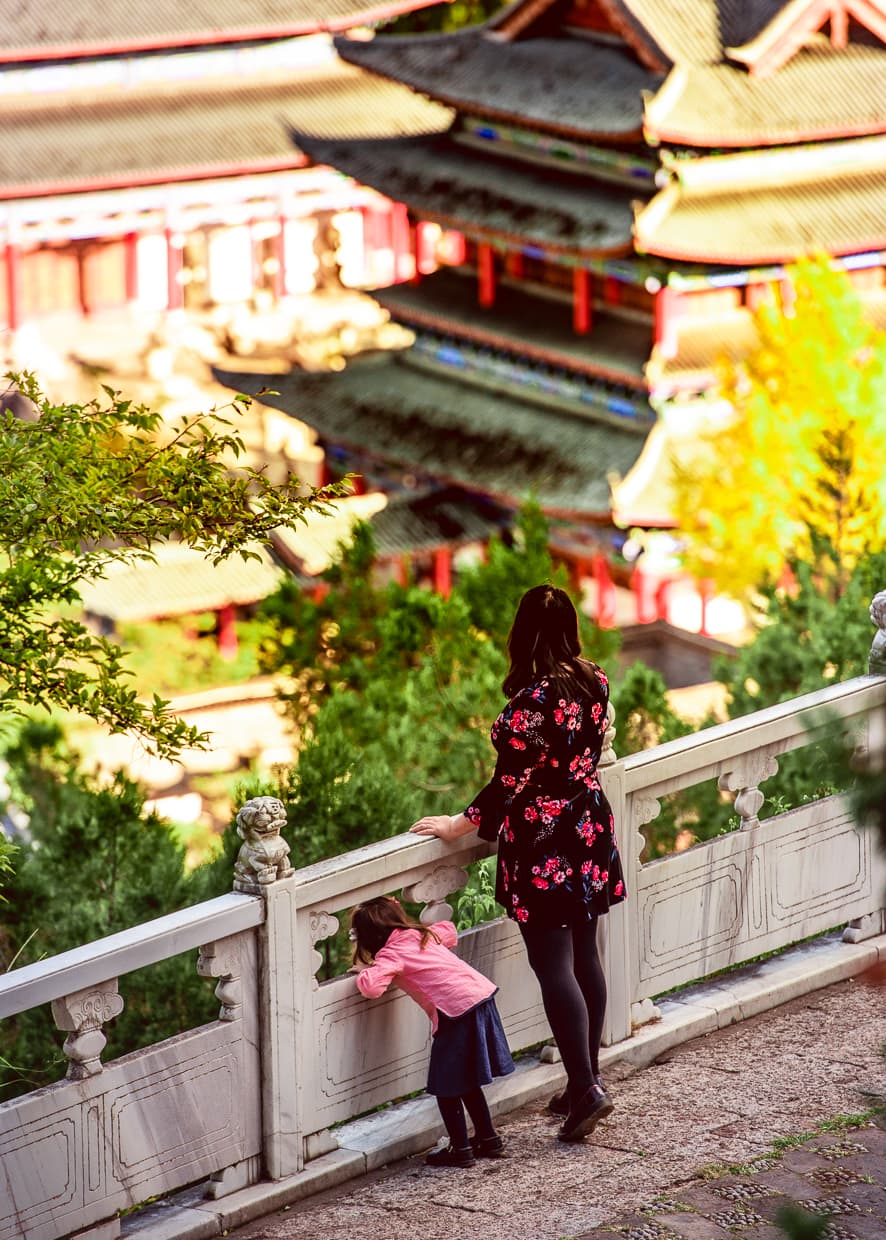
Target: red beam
x=486, y=275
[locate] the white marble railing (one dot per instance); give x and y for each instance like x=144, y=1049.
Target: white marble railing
x=256, y=1092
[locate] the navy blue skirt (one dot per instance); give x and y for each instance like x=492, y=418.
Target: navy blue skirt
x=468, y=1051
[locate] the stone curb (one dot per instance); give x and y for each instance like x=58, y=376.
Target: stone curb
x=412, y=1126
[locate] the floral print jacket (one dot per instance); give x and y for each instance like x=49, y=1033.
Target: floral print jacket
x=557, y=853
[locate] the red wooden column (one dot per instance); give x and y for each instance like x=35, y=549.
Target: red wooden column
x=443, y=571
x=663, y=599
x=280, y=256
x=611, y=290
x=582, y=308
x=665, y=326
x=605, y=593
x=227, y=632
x=514, y=265
x=13, y=286
x=130, y=266
x=486, y=275
x=643, y=585
x=174, y=291
x=401, y=242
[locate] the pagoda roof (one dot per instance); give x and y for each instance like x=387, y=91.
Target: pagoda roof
x=483, y=197
x=770, y=207
x=565, y=85
x=696, y=32
x=436, y=425
x=403, y=522
x=100, y=139
x=536, y=328
x=178, y=582
x=819, y=94
x=104, y=27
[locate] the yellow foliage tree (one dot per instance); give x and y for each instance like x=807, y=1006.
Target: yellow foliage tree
x=799, y=472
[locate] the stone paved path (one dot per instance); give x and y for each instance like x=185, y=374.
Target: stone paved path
x=721, y=1100
x=835, y=1179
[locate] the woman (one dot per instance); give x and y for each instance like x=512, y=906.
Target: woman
x=558, y=863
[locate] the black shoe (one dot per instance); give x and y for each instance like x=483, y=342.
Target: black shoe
x=594, y=1106
x=451, y=1157
x=559, y=1104
x=488, y=1147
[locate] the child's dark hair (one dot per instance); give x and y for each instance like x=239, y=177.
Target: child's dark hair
x=373, y=922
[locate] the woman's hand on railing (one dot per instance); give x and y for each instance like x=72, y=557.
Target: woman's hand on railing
x=443, y=826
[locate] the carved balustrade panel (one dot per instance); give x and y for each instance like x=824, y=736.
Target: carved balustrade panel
x=753, y=891
x=78, y=1152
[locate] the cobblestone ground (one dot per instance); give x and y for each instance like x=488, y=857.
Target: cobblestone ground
x=837, y=1180
x=662, y=1167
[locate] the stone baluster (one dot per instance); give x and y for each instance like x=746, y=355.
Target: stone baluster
x=744, y=779
x=877, y=657
x=222, y=960
x=82, y=1015
x=322, y=926
x=432, y=889
x=607, y=753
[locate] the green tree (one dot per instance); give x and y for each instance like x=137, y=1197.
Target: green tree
x=95, y=863
x=453, y=15
x=797, y=472
x=83, y=487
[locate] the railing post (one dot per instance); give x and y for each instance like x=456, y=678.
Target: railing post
x=872, y=758
x=263, y=869
x=617, y=935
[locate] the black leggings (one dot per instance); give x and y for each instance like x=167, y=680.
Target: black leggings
x=454, y=1118
x=573, y=990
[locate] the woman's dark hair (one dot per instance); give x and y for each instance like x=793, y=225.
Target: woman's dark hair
x=544, y=641
x=373, y=922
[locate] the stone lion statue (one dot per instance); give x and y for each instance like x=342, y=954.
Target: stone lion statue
x=264, y=854
x=877, y=661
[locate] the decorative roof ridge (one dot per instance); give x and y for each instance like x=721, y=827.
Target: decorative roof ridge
x=638, y=37
x=789, y=29
x=510, y=22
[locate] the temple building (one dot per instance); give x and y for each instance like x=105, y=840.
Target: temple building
x=622, y=181
x=147, y=159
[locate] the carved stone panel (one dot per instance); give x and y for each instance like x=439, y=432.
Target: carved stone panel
x=78, y=1152
x=753, y=891
x=369, y=1051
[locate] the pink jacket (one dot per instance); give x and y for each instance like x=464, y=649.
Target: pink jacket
x=434, y=976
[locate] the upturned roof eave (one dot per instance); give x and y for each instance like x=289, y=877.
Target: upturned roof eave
x=647, y=245
x=662, y=135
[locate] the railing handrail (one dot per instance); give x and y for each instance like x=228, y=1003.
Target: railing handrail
x=781, y=724
x=683, y=761
x=117, y=954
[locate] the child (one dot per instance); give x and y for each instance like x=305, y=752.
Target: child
x=469, y=1045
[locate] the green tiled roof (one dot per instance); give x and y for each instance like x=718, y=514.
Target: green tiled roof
x=563, y=85
x=405, y=522
x=435, y=425
x=486, y=197
x=181, y=582
x=159, y=133
x=531, y=327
